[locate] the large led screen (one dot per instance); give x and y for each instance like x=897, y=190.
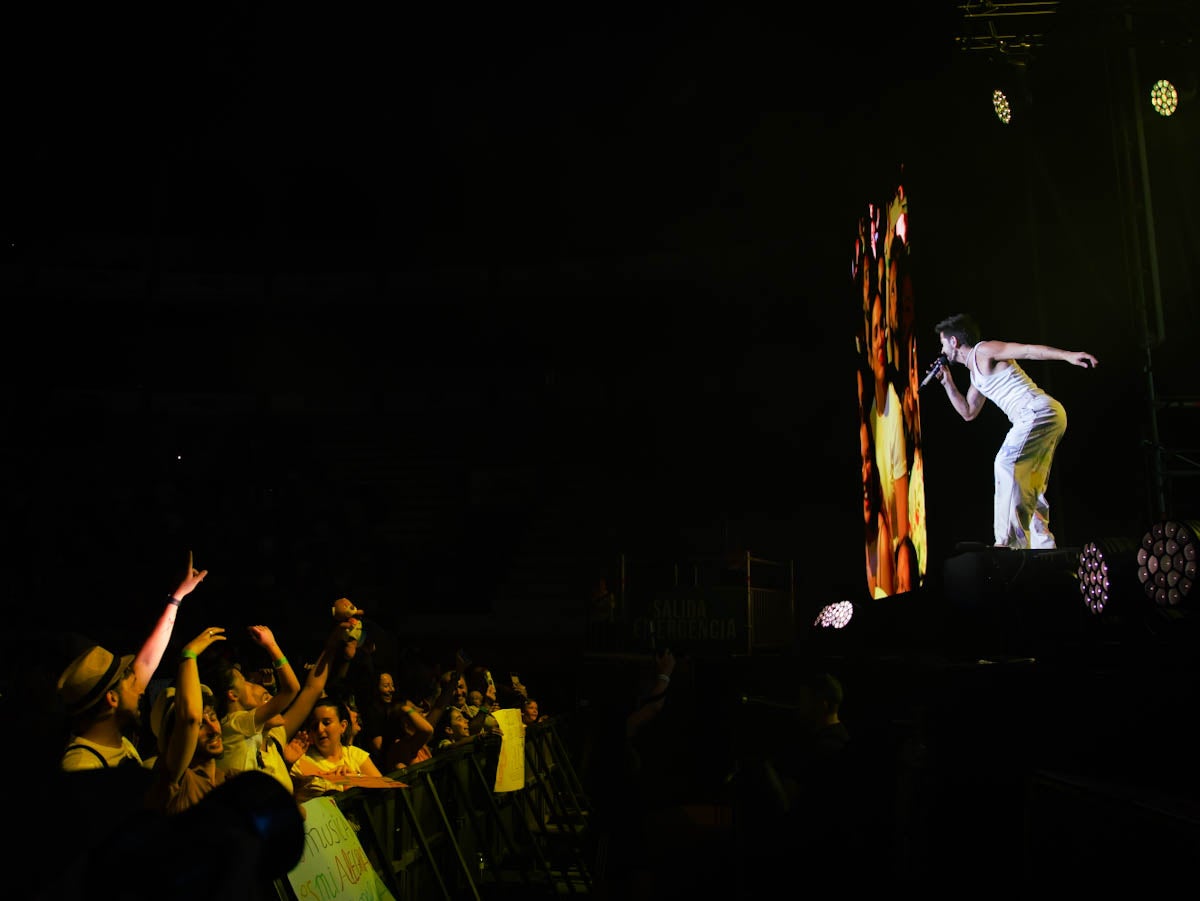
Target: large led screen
x=889, y=377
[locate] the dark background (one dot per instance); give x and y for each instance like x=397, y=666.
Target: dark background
x=437, y=308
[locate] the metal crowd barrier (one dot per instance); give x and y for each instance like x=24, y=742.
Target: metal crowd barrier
x=450, y=835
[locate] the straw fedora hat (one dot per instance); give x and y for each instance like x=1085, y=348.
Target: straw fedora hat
x=89, y=676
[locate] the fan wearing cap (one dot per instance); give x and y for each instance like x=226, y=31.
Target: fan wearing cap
x=189, y=735
x=102, y=691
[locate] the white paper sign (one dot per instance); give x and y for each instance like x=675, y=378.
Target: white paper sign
x=334, y=865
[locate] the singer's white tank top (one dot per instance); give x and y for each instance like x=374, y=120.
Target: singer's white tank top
x=1009, y=387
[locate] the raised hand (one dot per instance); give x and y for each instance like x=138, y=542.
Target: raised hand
x=665, y=662
x=191, y=579
x=205, y=640
x=448, y=685
x=297, y=747
x=338, y=640
x=262, y=636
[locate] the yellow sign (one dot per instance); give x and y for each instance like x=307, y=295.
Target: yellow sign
x=510, y=768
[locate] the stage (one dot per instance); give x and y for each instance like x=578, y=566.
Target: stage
x=1001, y=727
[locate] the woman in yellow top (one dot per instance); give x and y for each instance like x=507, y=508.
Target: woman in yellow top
x=327, y=765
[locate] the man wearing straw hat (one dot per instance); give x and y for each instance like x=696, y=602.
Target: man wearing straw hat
x=102, y=692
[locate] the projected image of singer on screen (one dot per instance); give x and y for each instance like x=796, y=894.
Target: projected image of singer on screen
x=888, y=393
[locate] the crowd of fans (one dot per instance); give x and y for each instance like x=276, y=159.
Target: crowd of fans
x=204, y=722
x=143, y=737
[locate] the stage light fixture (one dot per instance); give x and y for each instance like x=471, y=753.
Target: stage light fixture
x=1105, y=572
x=1093, y=574
x=1164, y=97
x=835, y=616
x=1002, y=107
x=1167, y=563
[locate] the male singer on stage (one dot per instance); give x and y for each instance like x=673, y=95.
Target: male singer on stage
x=1021, y=517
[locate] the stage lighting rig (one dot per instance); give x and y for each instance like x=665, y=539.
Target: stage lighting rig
x=1164, y=97
x=835, y=616
x=1167, y=563
x=1105, y=574
x=1007, y=35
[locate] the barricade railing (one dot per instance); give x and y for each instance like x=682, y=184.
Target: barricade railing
x=449, y=834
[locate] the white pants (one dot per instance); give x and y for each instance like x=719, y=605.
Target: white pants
x=1021, y=518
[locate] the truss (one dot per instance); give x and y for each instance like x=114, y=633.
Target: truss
x=1010, y=32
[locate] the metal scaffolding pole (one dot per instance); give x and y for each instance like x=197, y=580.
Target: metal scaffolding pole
x=1150, y=335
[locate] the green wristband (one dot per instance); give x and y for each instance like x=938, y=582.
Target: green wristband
x=188, y=654
x=280, y=663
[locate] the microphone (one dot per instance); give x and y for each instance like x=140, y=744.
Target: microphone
x=941, y=361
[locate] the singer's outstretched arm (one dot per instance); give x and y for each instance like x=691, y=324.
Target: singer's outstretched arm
x=988, y=353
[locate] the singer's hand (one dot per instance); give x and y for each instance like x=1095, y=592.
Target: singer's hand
x=939, y=366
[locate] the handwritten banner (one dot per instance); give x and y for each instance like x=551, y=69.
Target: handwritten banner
x=334, y=865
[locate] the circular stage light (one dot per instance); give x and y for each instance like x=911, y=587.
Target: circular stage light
x=1094, y=581
x=1164, y=98
x=1002, y=107
x=1105, y=574
x=835, y=616
x=1167, y=563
